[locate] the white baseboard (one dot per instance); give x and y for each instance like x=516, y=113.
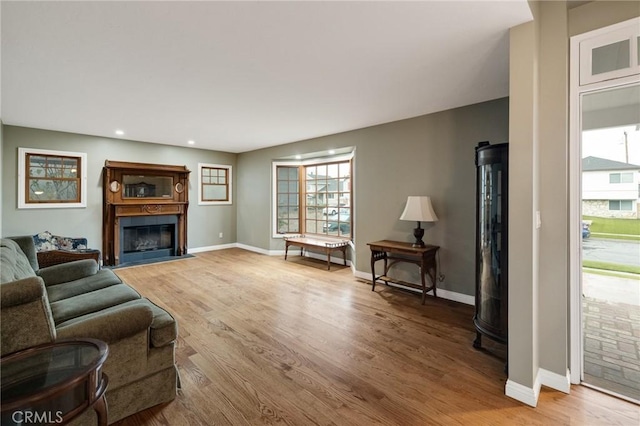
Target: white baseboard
x=555, y=381
x=211, y=248
x=445, y=294
x=522, y=393
x=544, y=378
x=260, y=250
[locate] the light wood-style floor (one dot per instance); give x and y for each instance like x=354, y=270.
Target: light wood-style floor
x=264, y=341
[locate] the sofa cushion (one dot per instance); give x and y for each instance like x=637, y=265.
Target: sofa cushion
x=68, y=271
x=93, y=301
x=109, y=325
x=103, y=279
x=15, y=265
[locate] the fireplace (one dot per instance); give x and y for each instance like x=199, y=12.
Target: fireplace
x=145, y=211
x=147, y=237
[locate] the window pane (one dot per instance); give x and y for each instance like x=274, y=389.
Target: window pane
x=283, y=199
x=332, y=170
x=36, y=171
x=614, y=178
x=293, y=186
x=214, y=192
x=222, y=174
x=311, y=226
x=311, y=172
x=283, y=186
x=70, y=167
x=293, y=199
x=283, y=226
x=626, y=205
x=293, y=173
x=344, y=170
x=293, y=213
x=283, y=173
x=611, y=57
x=614, y=205
x=626, y=177
x=53, y=190
x=283, y=212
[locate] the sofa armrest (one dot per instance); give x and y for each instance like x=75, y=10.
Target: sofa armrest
x=26, y=315
x=70, y=271
x=21, y=292
x=110, y=325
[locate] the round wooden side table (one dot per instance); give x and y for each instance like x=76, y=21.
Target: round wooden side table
x=54, y=383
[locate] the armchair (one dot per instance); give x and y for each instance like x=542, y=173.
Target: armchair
x=54, y=249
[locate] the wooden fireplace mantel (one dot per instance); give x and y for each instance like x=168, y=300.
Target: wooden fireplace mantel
x=140, y=189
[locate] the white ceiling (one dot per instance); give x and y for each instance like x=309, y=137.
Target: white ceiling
x=237, y=76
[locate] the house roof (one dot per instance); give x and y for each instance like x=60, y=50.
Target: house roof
x=592, y=164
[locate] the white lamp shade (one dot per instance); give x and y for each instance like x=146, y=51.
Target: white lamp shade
x=419, y=209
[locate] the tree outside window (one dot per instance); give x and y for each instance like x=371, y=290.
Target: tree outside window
x=51, y=179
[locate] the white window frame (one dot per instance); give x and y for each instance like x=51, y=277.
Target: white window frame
x=22, y=179
x=229, y=169
x=298, y=163
x=627, y=30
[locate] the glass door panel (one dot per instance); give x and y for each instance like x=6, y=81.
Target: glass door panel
x=610, y=145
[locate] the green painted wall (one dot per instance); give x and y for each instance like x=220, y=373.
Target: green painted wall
x=428, y=155
x=204, y=222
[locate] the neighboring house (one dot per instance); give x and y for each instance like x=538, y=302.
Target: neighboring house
x=610, y=188
x=327, y=191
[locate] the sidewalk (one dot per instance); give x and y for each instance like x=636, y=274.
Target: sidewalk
x=611, y=308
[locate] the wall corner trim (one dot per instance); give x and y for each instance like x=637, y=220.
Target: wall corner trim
x=522, y=393
x=555, y=381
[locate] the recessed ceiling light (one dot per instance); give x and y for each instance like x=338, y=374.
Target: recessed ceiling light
x=119, y=132
x=298, y=157
x=332, y=151
x=191, y=142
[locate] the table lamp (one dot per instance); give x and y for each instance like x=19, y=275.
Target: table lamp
x=419, y=209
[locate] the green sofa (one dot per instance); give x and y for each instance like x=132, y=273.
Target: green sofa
x=76, y=300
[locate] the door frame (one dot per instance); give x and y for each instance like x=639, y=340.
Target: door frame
x=576, y=93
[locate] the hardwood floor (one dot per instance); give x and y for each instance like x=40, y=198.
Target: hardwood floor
x=264, y=341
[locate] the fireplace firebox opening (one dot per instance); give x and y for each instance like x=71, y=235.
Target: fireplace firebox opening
x=147, y=237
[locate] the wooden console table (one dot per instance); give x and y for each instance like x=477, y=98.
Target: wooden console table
x=324, y=244
x=394, y=252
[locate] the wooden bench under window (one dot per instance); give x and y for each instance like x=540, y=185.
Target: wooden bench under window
x=323, y=244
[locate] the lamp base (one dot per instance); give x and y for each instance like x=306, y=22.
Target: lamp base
x=418, y=233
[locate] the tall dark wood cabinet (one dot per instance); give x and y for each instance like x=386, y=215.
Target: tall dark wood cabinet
x=492, y=221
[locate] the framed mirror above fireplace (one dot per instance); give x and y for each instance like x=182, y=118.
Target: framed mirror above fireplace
x=145, y=211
